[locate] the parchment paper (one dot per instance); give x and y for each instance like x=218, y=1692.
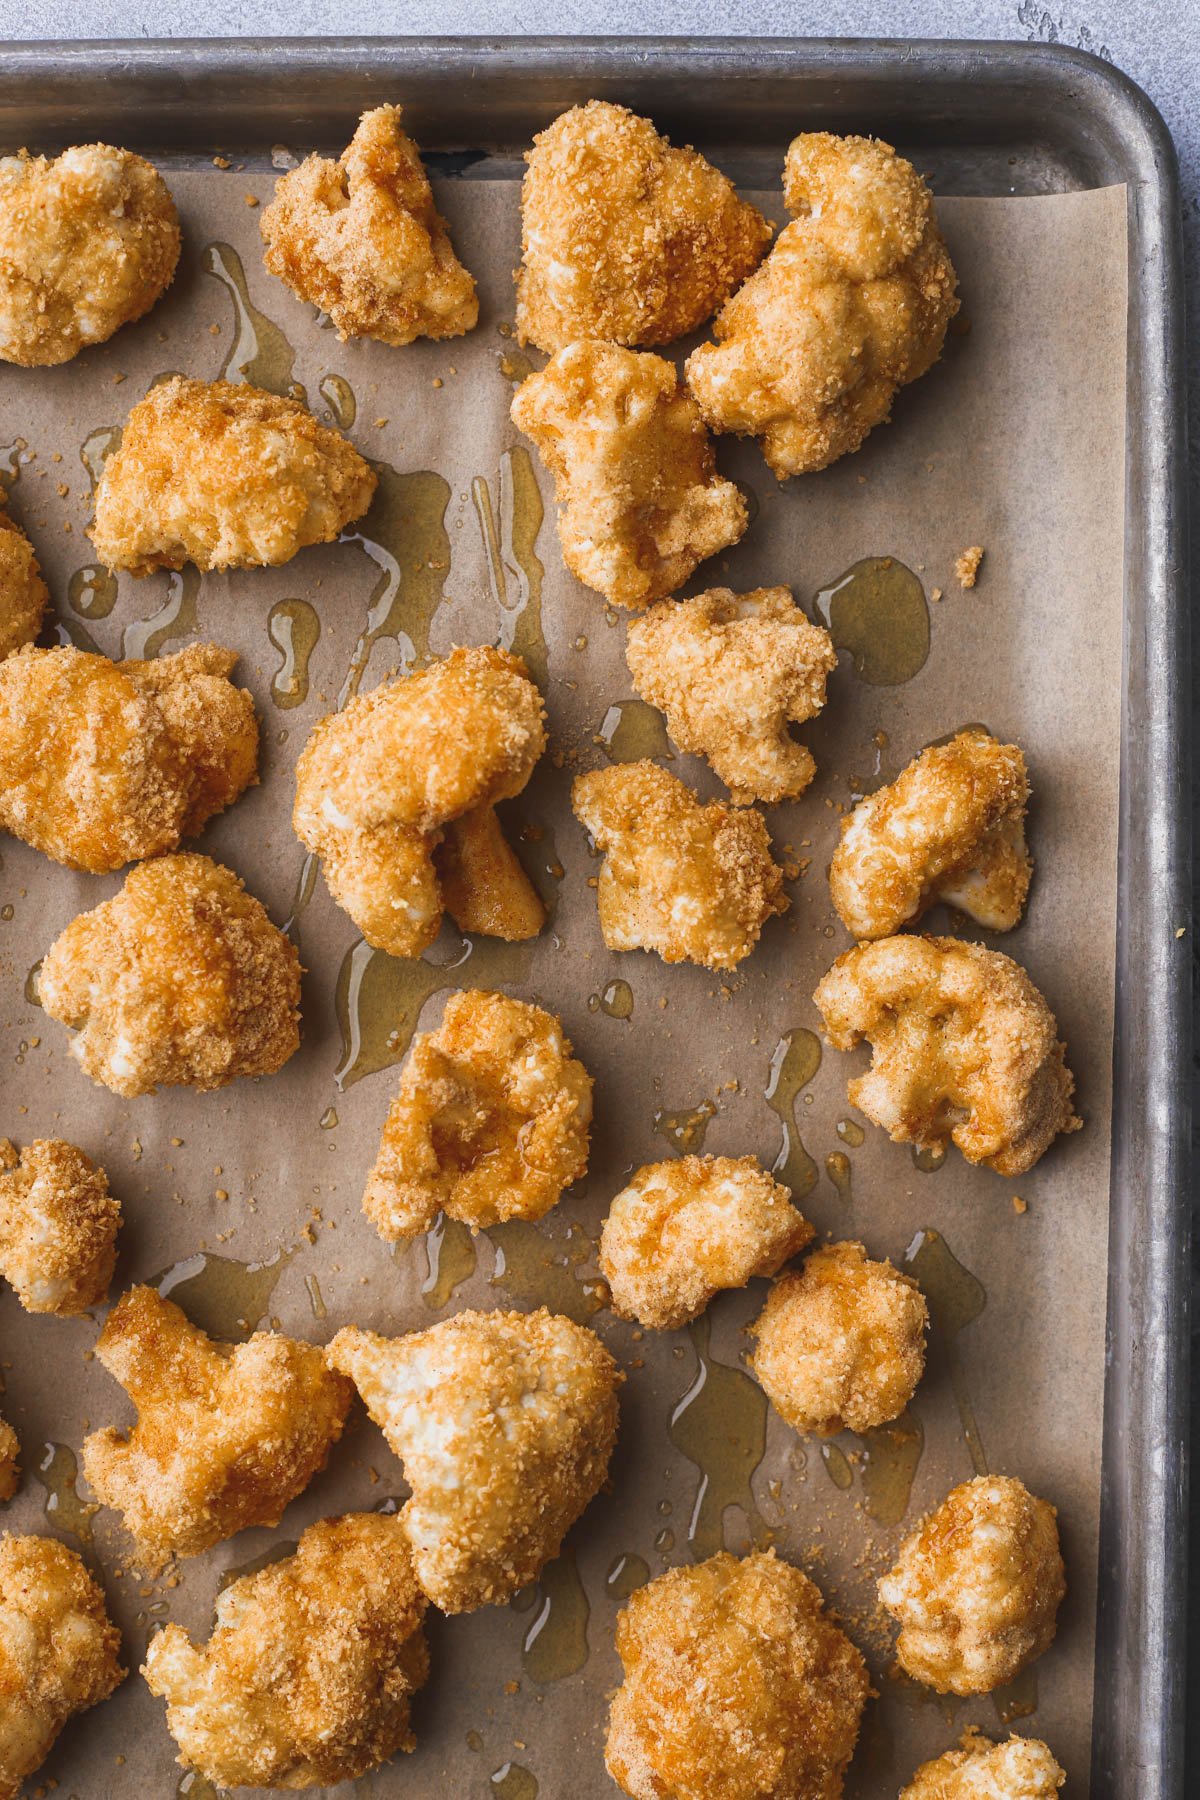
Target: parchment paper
x=1015, y=442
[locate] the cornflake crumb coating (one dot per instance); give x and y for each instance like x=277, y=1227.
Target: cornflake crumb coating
x=309, y=1673
x=24, y=596
x=58, y=1227
x=1020, y=1769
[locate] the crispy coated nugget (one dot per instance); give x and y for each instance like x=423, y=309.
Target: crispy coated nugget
x=225, y=476
x=841, y=1342
x=226, y=1435
x=624, y=237
x=852, y=302
x=58, y=1227
x=966, y=1049
x=378, y=783
x=362, y=240
x=180, y=978
x=951, y=827
x=640, y=500
x=58, y=1651
x=24, y=596
x=737, y=1683
x=10, y=1467
x=696, y=883
x=1021, y=1769
x=88, y=241
x=732, y=672
x=103, y=763
x=312, y=1663
x=686, y=1228
x=490, y=1122
x=976, y=1587
x=504, y=1423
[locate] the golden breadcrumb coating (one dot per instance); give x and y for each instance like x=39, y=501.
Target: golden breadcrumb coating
x=58, y=1227
x=951, y=827
x=24, y=596
x=732, y=672
x=687, y=1228
x=624, y=237
x=103, y=763
x=1021, y=1769
x=89, y=240
x=694, y=882
x=180, y=978
x=224, y=476
x=640, y=500
x=841, y=1342
x=976, y=1587
x=362, y=239
x=490, y=1122
x=966, y=1049
x=309, y=1673
x=10, y=1467
x=59, y=1651
x=737, y=1683
x=504, y=1423
x=226, y=1434
x=852, y=302
x=377, y=783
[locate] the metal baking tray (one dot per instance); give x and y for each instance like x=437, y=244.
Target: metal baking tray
x=986, y=118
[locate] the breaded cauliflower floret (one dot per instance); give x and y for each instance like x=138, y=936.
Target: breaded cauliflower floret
x=852, y=302
x=490, y=1122
x=976, y=1587
x=951, y=827
x=966, y=1049
x=504, y=1423
x=309, y=1673
x=180, y=978
x=103, y=763
x=737, y=1684
x=732, y=672
x=362, y=240
x=58, y=1227
x=59, y=1651
x=624, y=237
x=640, y=500
x=225, y=476
x=88, y=241
x=687, y=1228
x=10, y=1467
x=841, y=1342
x=24, y=596
x=226, y=1434
x=379, y=784
x=694, y=882
x=1021, y=1769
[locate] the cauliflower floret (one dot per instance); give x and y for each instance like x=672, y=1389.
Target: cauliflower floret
x=10, y=1467
x=58, y=1227
x=490, y=1123
x=976, y=1587
x=362, y=239
x=841, y=1342
x=226, y=1434
x=966, y=1049
x=378, y=783
x=949, y=828
x=180, y=978
x=732, y=672
x=88, y=241
x=58, y=1651
x=1021, y=1769
x=24, y=596
x=696, y=883
x=640, y=500
x=687, y=1228
x=852, y=302
x=737, y=1683
x=225, y=476
x=504, y=1423
x=103, y=763
x=624, y=237
x=309, y=1673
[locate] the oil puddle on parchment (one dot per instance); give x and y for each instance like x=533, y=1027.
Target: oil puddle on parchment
x=449, y=1260
x=144, y=638
x=513, y=1781
x=404, y=535
x=685, y=1130
x=338, y=395
x=720, y=1425
x=631, y=731
x=956, y=1298
x=544, y=1271
x=224, y=1297
x=58, y=1472
x=794, y=1064
x=556, y=1640
x=294, y=627
x=510, y=528
x=259, y=352
x=615, y=1000
x=628, y=1573
x=877, y=611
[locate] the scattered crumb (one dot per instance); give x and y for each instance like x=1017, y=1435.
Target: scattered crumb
x=250, y=199
x=219, y=162
x=966, y=565
x=1019, y=1205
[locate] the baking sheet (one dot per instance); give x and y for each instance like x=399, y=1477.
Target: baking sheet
x=1016, y=442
